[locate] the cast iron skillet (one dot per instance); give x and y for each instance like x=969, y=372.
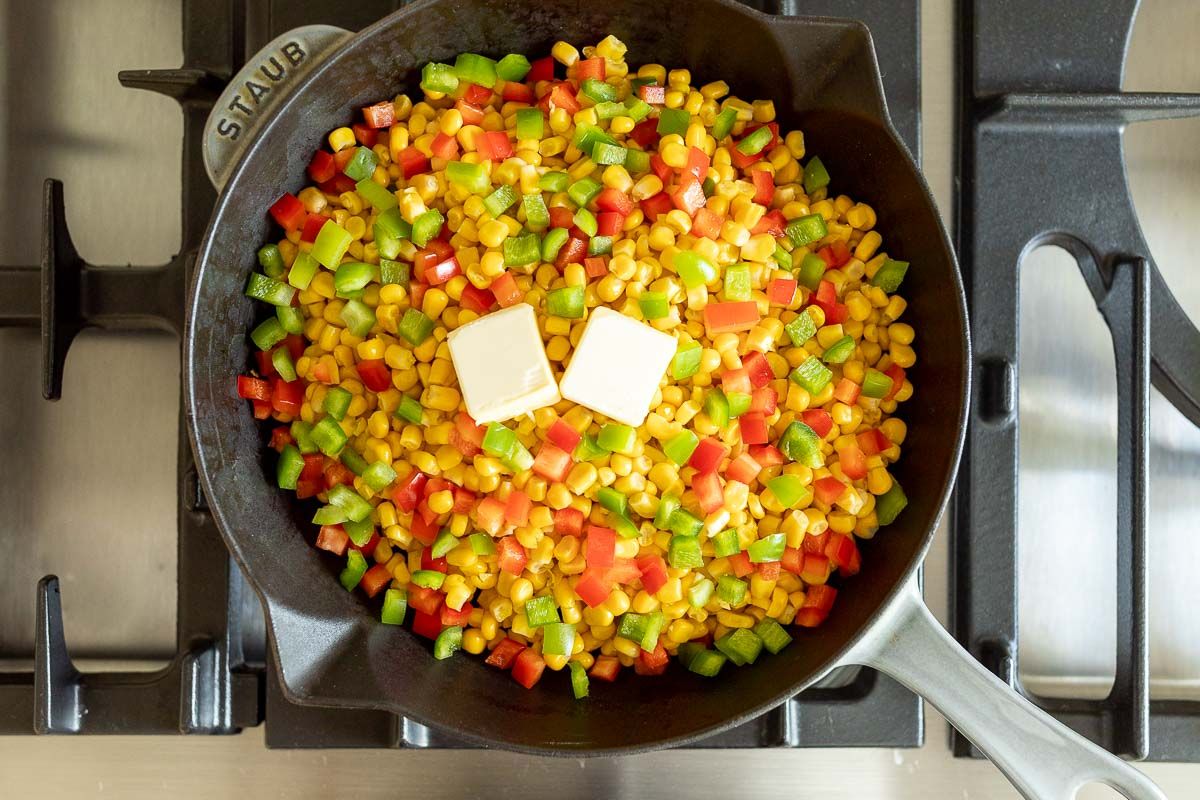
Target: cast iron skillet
x=330, y=648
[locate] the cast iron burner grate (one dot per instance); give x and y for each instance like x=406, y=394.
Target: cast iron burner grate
x=1041, y=106
x=215, y=684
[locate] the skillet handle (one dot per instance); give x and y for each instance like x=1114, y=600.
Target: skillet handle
x=1042, y=758
x=257, y=89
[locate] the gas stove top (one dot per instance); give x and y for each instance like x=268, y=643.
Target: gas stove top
x=149, y=627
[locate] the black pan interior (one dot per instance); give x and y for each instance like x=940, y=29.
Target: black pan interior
x=822, y=77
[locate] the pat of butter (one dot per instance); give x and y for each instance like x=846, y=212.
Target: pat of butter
x=501, y=365
x=617, y=366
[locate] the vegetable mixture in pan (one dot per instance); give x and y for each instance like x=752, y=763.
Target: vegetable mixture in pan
x=587, y=367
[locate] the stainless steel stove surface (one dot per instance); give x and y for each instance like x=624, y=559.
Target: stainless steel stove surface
x=88, y=484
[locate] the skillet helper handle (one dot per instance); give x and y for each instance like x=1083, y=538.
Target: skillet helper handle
x=257, y=90
x=1042, y=758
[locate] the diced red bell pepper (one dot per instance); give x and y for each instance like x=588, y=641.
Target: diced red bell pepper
x=423, y=531
x=312, y=226
x=816, y=568
x=653, y=94
x=593, y=588
x=792, y=560
x=467, y=437
x=413, y=162
x=654, y=572
x=443, y=271
x=250, y=388
x=334, y=539
x=444, y=147
x=288, y=211
x=596, y=266
x=424, y=599
x=697, y=165
x=475, y=299
x=661, y=169
x=497, y=145
x=339, y=183
x=375, y=374
x=262, y=361
x=753, y=426
x=407, y=493
x=764, y=186
x=623, y=570
x=656, y=206
x=818, y=419
x=489, y=515
x=464, y=500
x=897, y=375
x=514, y=92
x=708, y=454
x=758, y=368
x=609, y=223
x=561, y=95
x=281, y=437
x=652, y=663
x=504, y=653
x=517, y=508
x=707, y=487
x=314, y=467
x=847, y=391
x=768, y=570
x=471, y=114
x=873, y=442
x=417, y=290
x=375, y=579
x=573, y=252
x=707, y=225
x=321, y=168
x=552, y=462
x=740, y=563
x=294, y=343
x=506, y=291
x=736, y=381
x=563, y=435
x=689, y=197
x=365, y=135
x=731, y=317
x=287, y=396
x=853, y=461
x=843, y=552
x=589, y=68
x=611, y=199
x=367, y=548
x=562, y=217
x=380, y=115
x=511, y=556
x=568, y=521
x=741, y=160
x=527, y=668
x=764, y=400
x=451, y=617
x=306, y=489
x=645, y=133
x=815, y=543
x=541, y=69
x=474, y=93
x=835, y=254
x=605, y=668
x=743, y=469
x=781, y=291
x=827, y=490
x=599, y=548
x=427, y=625
x=818, y=600
x=335, y=473
x=772, y=222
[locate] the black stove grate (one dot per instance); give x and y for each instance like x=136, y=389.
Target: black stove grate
x=1041, y=162
x=217, y=682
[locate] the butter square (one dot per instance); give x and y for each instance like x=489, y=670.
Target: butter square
x=617, y=366
x=501, y=365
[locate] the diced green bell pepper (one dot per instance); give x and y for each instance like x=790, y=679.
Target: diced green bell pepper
x=588, y=449
x=268, y=334
x=521, y=250
x=812, y=375
x=673, y=120
x=379, y=476
x=768, y=548
x=583, y=191
x=801, y=444
x=683, y=552
x=876, y=384
x=331, y=244
x=772, y=634
x=303, y=270
x=617, y=438
x=566, y=302
x=428, y=578
x=281, y=359
x=654, y=305
x=476, y=69
x=336, y=402
x=553, y=241
x=723, y=124
x=755, y=141
x=350, y=501
x=801, y=329
x=694, y=269
x=500, y=200
x=726, y=543
x=359, y=317
x=361, y=165
x=679, y=448
x=513, y=67
x=415, y=327
x=536, y=213
x=889, y=275
x=554, y=182
x=815, y=175
x=356, y=567
x=443, y=543
x=736, y=285
x=579, y=680
x=426, y=226
x=700, y=593
x=448, y=642
x=731, y=590
x=395, y=607
x=540, y=611
x=379, y=197
x=666, y=507
x=686, y=362
x=806, y=230
x=839, y=351
x=684, y=523
x=472, y=177
x=409, y=410
x=289, y=467
x=608, y=154
x=438, y=78
x=558, y=638
x=716, y=406
x=741, y=645
x=482, y=544
x=613, y=500
x=889, y=504
x=329, y=436
x=598, y=91
x=269, y=290
x=788, y=490
x=271, y=260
